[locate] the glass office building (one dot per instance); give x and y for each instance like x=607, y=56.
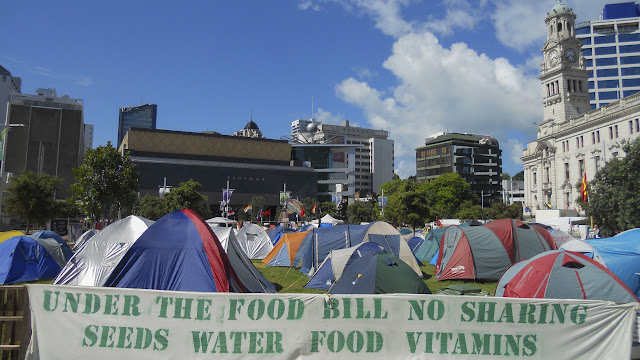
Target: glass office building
x=611, y=48
x=142, y=117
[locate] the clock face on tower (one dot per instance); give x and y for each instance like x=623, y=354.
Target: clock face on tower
x=570, y=54
x=553, y=58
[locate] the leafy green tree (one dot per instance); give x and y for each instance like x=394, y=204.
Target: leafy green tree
x=151, y=207
x=67, y=208
x=614, y=193
x=106, y=179
x=257, y=204
x=31, y=197
x=519, y=176
x=187, y=196
x=500, y=210
x=361, y=211
x=469, y=211
x=408, y=205
x=328, y=207
x=505, y=176
x=446, y=195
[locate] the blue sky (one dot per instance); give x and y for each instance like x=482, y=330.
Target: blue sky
x=410, y=67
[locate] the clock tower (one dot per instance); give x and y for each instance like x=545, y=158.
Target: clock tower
x=565, y=89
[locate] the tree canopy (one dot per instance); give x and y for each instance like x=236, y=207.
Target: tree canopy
x=407, y=203
x=31, y=197
x=106, y=181
x=362, y=211
x=446, y=194
x=614, y=193
x=187, y=196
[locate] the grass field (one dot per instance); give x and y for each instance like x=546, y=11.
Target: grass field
x=290, y=280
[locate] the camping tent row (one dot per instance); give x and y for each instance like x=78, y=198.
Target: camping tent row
x=178, y=252
x=309, y=249
x=485, y=252
x=28, y=258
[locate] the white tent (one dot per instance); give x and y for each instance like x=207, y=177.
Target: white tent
x=96, y=259
x=254, y=241
x=328, y=219
x=83, y=238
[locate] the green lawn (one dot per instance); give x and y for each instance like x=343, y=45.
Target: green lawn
x=290, y=280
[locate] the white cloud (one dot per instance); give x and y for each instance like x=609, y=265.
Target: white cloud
x=81, y=80
x=514, y=148
x=520, y=24
x=404, y=168
x=308, y=5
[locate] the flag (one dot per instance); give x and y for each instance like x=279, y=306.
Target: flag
x=302, y=211
x=259, y=215
x=231, y=212
x=268, y=212
x=527, y=209
x=226, y=195
x=583, y=189
x=313, y=209
x=247, y=208
x=439, y=223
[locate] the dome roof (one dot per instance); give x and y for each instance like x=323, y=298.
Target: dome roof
x=312, y=127
x=560, y=8
x=251, y=126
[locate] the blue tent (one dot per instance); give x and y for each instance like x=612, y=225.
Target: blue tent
x=620, y=254
x=48, y=234
x=335, y=263
x=275, y=231
x=178, y=252
x=22, y=259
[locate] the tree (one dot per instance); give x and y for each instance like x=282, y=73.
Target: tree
x=257, y=203
x=31, y=197
x=505, y=176
x=407, y=205
x=470, y=211
x=187, y=196
x=328, y=207
x=446, y=195
x=106, y=179
x=614, y=193
x=361, y=211
x=519, y=176
x=151, y=207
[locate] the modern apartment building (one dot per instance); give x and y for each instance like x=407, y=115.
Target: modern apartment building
x=477, y=158
x=142, y=117
x=88, y=137
x=373, y=151
x=611, y=49
x=45, y=134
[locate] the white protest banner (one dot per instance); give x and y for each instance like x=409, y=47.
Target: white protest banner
x=71, y=322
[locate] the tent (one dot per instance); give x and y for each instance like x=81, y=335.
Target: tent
x=424, y=248
x=620, y=254
x=560, y=237
x=249, y=276
x=379, y=273
x=327, y=219
x=320, y=241
x=333, y=266
x=92, y=264
x=284, y=252
x=83, y=239
x=274, y=231
x=178, y=252
x=9, y=234
x=22, y=259
x=485, y=252
x=54, y=249
x=48, y=234
x=560, y=274
x=254, y=241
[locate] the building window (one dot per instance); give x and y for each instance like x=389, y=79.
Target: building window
x=577, y=143
x=580, y=85
x=535, y=180
x=593, y=138
x=610, y=132
x=548, y=90
x=598, y=136
x=637, y=126
x=566, y=171
x=546, y=175
x=581, y=166
x=596, y=163
x=616, y=130
x=581, y=141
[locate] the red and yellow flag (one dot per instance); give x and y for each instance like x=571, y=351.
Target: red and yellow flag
x=313, y=209
x=583, y=189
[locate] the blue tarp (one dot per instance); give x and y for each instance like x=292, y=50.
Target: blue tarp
x=621, y=255
x=23, y=259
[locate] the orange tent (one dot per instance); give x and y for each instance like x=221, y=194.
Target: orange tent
x=285, y=250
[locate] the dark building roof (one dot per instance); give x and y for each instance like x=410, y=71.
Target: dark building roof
x=4, y=71
x=251, y=126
